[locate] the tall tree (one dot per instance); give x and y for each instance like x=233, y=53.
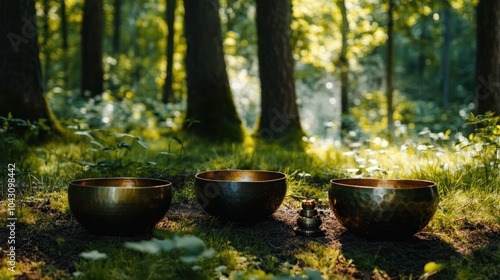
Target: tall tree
x=168, y=93
x=389, y=69
x=422, y=44
x=343, y=61
x=64, y=35
x=92, y=36
x=488, y=57
x=64, y=26
x=117, y=22
x=45, y=42
x=21, y=90
x=211, y=112
x=446, y=54
x=279, y=112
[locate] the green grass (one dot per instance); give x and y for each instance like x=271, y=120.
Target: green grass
x=469, y=207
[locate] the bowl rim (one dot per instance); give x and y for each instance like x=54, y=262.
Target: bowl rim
x=162, y=183
x=426, y=183
x=284, y=176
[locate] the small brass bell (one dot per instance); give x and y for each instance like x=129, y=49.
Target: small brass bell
x=309, y=221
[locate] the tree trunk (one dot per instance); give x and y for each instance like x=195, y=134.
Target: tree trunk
x=344, y=63
x=21, y=90
x=446, y=55
x=92, y=36
x=488, y=57
x=344, y=67
x=117, y=22
x=168, y=92
x=389, y=73
x=134, y=38
x=45, y=42
x=423, y=42
x=210, y=108
x=279, y=113
x=64, y=35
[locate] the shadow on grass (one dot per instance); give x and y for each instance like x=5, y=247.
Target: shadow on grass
x=52, y=245
x=398, y=258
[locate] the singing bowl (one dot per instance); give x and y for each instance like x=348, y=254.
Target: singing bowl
x=119, y=206
x=379, y=209
x=240, y=196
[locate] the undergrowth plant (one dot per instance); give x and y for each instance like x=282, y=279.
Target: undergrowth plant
x=483, y=143
x=170, y=256
x=108, y=152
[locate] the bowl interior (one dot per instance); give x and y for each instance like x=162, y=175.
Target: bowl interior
x=241, y=176
x=384, y=183
x=122, y=182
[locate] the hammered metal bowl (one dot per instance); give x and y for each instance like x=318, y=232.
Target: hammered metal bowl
x=240, y=196
x=381, y=209
x=119, y=206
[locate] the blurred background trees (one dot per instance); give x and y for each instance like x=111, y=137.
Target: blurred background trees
x=92, y=36
x=340, y=57
x=279, y=115
x=211, y=112
x=21, y=89
x=488, y=57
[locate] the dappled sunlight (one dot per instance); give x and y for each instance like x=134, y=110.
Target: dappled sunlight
x=468, y=202
x=337, y=78
x=376, y=157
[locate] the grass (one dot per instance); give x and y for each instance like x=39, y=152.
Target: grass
x=462, y=234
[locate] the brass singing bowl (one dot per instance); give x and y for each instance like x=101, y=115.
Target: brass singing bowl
x=382, y=209
x=240, y=196
x=119, y=206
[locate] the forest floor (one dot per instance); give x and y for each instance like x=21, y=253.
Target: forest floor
x=49, y=247
x=463, y=237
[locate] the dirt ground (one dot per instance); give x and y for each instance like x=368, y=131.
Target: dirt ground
x=60, y=243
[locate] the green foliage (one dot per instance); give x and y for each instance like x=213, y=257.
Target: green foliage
x=483, y=143
x=111, y=151
x=131, y=113
x=371, y=114
x=325, y=260
x=116, y=154
x=112, y=132
x=11, y=127
x=177, y=257
x=479, y=263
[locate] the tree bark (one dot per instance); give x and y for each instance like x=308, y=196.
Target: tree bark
x=389, y=70
x=117, y=22
x=64, y=35
x=45, y=42
x=423, y=42
x=446, y=55
x=488, y=57
x=279, y=112
x=211, y=112
x=21, y=89
x=92, y=36
x=168, y=93
x=343, y=61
